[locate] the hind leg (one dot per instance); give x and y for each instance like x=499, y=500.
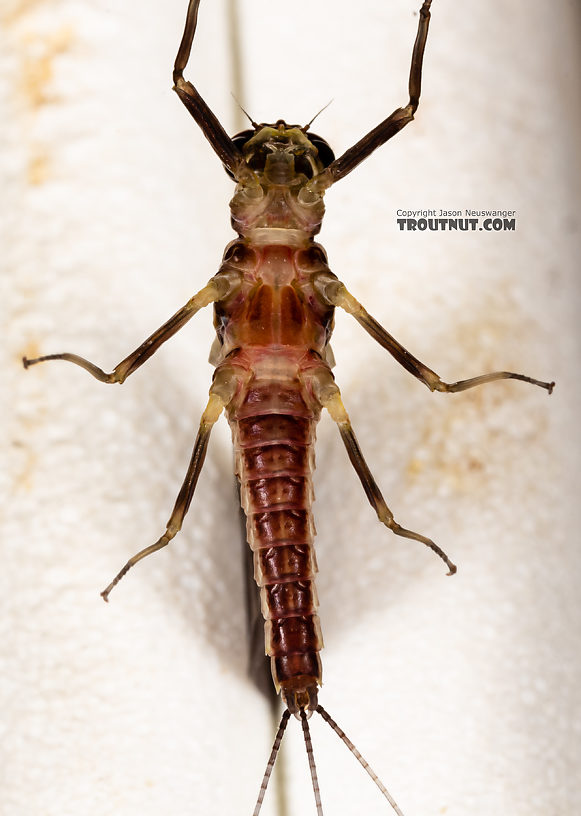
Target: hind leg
x=329, y=396
x=221, y=393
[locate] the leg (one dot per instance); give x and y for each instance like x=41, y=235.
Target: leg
x=335, y=293
x=216, y=289
x=329, y=396
x=222, y=144
x=390, y=126
x=221, y=393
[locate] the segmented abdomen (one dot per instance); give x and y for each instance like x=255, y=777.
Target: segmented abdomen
x=273, y=431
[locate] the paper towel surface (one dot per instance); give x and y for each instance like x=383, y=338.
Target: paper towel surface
x=461, y=692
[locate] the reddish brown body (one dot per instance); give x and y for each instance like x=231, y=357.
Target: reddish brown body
x=274, y=331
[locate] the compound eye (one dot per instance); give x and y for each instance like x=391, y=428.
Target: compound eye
x=240, y=140
x=326, y=155
x=304, y=166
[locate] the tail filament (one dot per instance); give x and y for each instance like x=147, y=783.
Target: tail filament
x=311, y=757
x=312, y=766
x=271, y=760
x=358, y=756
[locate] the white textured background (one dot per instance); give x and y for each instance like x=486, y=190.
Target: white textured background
x=462, y=692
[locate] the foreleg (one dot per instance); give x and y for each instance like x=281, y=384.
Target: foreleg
x=401, y=117
x=209, y=124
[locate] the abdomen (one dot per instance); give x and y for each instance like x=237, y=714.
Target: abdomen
x=273, y=429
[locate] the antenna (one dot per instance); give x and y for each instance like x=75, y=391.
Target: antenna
x=307, y=126
x=246, y=114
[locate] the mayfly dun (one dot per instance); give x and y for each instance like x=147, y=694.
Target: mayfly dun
x=274, y=300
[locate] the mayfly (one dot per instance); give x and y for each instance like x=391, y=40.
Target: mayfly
x=274, y=301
